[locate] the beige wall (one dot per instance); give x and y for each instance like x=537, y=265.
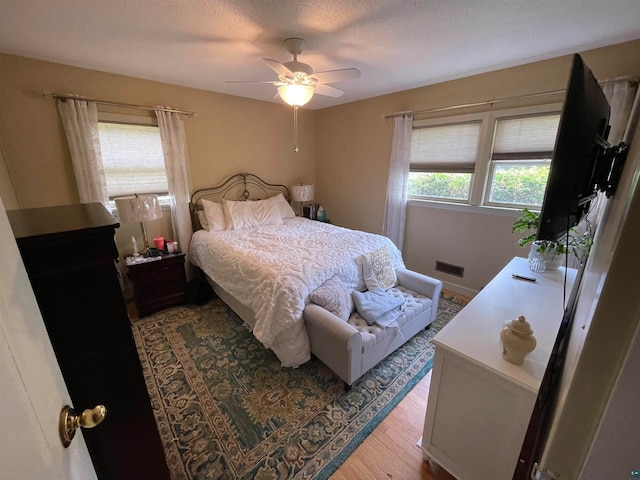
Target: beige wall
x=229, y=135
x=353, y=149
x=6, y=186
x=344, y=150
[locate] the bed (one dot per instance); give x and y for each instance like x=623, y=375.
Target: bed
x=268, y=264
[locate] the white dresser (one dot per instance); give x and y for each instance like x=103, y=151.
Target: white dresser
x=479, y=404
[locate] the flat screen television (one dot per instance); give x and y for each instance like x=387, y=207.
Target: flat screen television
x=579, y=164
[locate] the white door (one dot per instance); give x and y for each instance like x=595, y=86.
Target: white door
x=32, y=391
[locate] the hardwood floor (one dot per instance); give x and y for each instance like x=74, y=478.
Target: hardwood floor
x=391, y=450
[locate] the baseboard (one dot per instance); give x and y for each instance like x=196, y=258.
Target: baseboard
x=453, y=287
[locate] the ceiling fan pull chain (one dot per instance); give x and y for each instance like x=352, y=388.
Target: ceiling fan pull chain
x=295, y=130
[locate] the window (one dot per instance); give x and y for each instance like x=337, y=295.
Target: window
x=522, y=150
x=498, y=158
x=443, y=160
x=132, y=159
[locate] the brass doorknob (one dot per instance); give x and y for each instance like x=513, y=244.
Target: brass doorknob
x=70, y=421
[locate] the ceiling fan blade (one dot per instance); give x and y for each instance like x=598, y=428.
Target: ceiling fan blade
x=272, y=82
x=330, y=76
x=279, y=68
x=328, y=90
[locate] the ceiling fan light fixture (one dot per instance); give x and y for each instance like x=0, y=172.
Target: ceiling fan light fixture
x=296, y=95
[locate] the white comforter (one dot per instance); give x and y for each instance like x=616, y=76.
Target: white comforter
x=273, y=268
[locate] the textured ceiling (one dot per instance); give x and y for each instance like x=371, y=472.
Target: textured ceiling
x=396, y=44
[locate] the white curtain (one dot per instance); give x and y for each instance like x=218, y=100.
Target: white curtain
x=175, y=160
x=620, y=96
x=396, y=205
x=80, y=121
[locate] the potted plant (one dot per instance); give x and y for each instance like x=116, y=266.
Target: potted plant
x=548, y=254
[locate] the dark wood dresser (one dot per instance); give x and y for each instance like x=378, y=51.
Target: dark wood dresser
x=69, y=253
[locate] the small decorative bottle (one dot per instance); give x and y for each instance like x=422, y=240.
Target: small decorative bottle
x=134, y=245
x=517, y=340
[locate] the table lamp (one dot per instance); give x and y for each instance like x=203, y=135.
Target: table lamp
x=139, y=208
x=301, y=193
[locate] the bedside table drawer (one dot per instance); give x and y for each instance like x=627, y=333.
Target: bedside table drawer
x=166, y=274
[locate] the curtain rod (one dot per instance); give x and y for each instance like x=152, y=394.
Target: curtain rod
x=467, y=105
x=499, y=100
x=64, y=96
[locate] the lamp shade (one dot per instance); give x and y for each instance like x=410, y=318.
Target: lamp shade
x=296, y=95
x=138, y=208
x=301, y=193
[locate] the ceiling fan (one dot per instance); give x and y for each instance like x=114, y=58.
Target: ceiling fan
x=296, y=81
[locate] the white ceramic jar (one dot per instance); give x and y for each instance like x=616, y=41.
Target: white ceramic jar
x=517, y=340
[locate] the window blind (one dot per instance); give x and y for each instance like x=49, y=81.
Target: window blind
x=132, y=158
x=525, y=138
x=445, y=148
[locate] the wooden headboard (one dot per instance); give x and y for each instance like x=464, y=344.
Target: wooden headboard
x=241, y=186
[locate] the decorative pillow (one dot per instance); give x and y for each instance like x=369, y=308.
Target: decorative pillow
x=334, y=297
x=377, y=269
x=240, y=214
x=215, y=216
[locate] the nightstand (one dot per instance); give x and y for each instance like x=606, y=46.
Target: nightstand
x=158, y=282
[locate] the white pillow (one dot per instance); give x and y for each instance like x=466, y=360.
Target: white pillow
x=215, y=216
x=202, y=218
x=227, y=217
x=285, y=209
x=241, y=214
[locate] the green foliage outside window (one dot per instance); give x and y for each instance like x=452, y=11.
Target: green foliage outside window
x=519, y=184
x=440, y=185
x=516, y=184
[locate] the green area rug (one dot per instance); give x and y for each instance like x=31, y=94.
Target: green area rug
x=225, y=407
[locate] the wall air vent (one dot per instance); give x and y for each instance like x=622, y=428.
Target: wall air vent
x=450, y=269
